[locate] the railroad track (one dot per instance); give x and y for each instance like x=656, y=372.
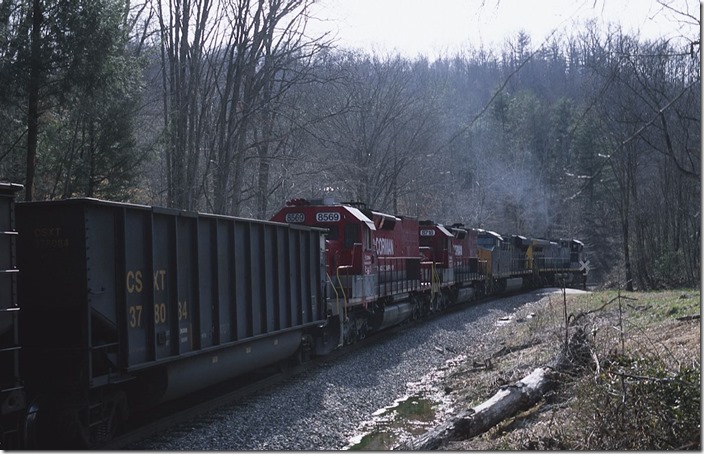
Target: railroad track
x=167, y=417
x=170, y=415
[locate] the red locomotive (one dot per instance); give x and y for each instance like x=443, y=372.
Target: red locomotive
x=451, y=267
x=373, y=264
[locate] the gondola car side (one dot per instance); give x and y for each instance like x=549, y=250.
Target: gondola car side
x=126, y=306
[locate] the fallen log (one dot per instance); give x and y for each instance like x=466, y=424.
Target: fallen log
x=507, y=402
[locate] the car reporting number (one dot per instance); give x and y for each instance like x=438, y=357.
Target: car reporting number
x=295, y=218
x=327, y=216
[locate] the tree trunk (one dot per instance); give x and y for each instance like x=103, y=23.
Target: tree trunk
x=627, y=254
x=507, y=402
x=33, y=104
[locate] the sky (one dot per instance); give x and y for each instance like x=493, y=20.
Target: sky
x=443, y=27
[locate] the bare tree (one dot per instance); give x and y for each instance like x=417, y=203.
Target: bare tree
x=375, y=147
x=186, y=29
x=262, y=54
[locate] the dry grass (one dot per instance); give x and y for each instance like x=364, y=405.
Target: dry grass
x=644, y=374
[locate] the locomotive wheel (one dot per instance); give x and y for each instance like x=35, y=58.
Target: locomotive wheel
x=301, y=356
x=435, y=303
x=350, y=328
x=362, y=332
x=426, y=309
x=454, y=296
x=416, y=311
x=443, y=302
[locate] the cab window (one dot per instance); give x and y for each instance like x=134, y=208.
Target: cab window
x=351, y=232
x=334, y=232
x=486, y=242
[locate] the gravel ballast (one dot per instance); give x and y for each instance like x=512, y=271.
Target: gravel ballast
x=324, y=407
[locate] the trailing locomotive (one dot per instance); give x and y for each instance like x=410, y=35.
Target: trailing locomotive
x=126, y=306
x=450, y=264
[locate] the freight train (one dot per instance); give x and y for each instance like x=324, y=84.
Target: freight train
x=110, y=308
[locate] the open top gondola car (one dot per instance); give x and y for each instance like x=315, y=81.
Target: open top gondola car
x=127, y=306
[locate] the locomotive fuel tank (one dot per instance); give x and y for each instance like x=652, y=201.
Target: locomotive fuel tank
x=393, y=315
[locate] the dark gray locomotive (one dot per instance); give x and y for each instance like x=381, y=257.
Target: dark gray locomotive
x=126, y=306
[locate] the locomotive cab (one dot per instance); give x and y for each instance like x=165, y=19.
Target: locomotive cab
x=522, y=254
x=351, y=259
x=488, y=242
x=436, y=247
x=470, y=271
x=576, y=253
x=468, y=264
x=506, y=260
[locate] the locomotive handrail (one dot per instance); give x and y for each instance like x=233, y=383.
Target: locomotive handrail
x=344, y=295
x=435, y=280
x=337, y=300
x=391, y=286
x=334, y=289
x=431, y=262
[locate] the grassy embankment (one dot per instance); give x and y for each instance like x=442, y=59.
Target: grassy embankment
x=640, y=388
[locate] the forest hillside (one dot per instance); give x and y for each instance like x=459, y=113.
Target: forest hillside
x=233, y=108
